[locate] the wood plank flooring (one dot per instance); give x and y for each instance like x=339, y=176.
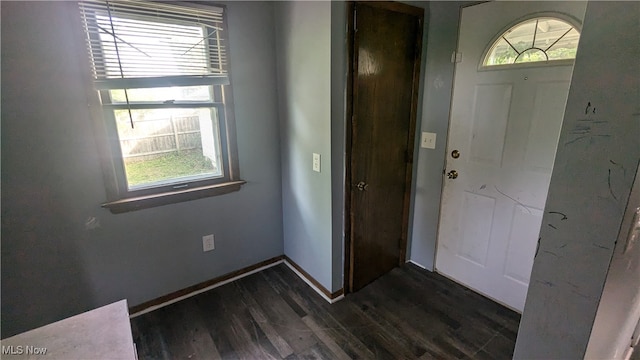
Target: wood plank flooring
x=409, y=313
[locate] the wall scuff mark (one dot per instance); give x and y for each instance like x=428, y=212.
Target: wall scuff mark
x=610, y=189
x=564, y=216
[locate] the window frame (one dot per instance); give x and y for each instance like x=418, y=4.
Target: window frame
x=108, y=115
x=119, y=197
x=575, y=23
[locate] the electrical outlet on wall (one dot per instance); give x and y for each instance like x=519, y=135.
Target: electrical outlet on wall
x=208, y=243
x=316, y=162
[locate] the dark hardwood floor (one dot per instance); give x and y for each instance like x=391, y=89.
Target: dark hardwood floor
x=407, y=314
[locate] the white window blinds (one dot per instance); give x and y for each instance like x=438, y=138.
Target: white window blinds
x=135, y=44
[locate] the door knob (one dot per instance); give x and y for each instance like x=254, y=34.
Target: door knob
x=362, y=186
x=452, y=174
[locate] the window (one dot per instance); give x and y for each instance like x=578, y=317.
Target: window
x=536, y=40
x=161, y=71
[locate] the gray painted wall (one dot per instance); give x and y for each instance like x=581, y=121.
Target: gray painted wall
x=303, y=40
x=52, y=266
x=591, y=183
x=436, y=98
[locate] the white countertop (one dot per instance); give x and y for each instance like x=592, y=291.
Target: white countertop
x=102, y=334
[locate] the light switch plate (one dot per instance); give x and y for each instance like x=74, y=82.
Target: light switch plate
x=428, y=140
x=316, y=162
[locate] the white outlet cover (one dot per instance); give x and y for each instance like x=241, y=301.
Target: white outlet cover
x=428, y=140
x=208, y=243
x=316, y=162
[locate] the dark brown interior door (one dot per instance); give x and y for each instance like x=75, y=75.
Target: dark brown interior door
x=385, y=55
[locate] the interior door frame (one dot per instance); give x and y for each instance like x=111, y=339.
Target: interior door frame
x=351, y=92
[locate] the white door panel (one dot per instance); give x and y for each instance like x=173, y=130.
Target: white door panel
x=522, y=243
x=476, y=224
x=489, y=115
x=505, y=123
x=548, y=110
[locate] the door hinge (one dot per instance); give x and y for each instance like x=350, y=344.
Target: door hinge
x=355, y=18
x=456, y=57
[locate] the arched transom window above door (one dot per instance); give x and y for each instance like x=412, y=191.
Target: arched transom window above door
x=540, y=39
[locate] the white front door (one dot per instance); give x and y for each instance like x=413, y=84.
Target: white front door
x=505, y=123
